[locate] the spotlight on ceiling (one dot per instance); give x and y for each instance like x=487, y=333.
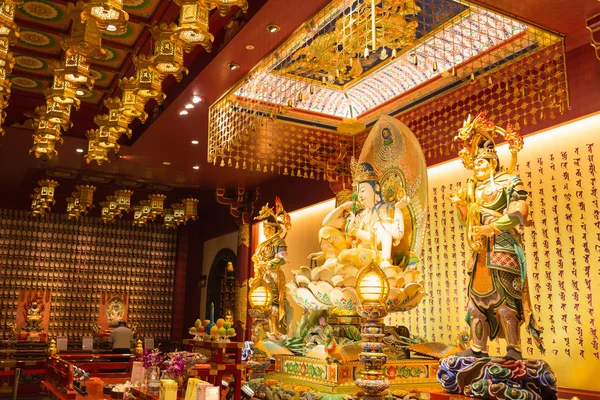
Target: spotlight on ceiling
x=273, y=28
x=183, y=112
x=111, y=28
x=166, y=163
x=196, y=167
x=195, y=142
x=249, y=47
x=197, y=99
x=232, y=66
x=79, y=150
x=189, y=105
x=79, y=92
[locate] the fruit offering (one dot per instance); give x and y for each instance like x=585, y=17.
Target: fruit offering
x=220, y=322
x=214, y=330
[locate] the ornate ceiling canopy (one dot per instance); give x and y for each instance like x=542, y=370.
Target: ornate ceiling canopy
x=304, y=109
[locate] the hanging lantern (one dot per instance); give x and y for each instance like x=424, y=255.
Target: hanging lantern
x=8, y=35
x=193, y=25
x=178, y=213
x=107, y=137
x=156, y=205
x=224, y=6
x=73, y=210
x=62, y=91
x=169, y=219
x=149, y=81
x=86, y=196
x=75, y=69
x=146, y=209
x=132, y=105
x=108, y=15
x=191, y=209
x=123, y=200
x=85, y=38
x=138, y=218
x=95, y=151
x=117, y=120
x=58, y=113
x=45, y=137
x=45, y=194
x=168, y=51
x=106, y=214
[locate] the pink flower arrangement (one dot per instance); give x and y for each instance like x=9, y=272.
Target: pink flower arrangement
x=152, y=358
x=176, y=364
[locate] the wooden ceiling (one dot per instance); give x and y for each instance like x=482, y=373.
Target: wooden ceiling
x=167, y=136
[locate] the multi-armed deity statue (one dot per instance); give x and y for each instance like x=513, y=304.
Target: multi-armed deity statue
x=491, y=206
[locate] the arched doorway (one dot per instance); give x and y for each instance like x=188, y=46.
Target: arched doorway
x=221, y=283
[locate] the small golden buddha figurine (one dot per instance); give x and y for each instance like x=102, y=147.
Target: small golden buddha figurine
x=34, y=317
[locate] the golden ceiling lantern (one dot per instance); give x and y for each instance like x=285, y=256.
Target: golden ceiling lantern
x=123, y=199
x=169, y=219
x=86, y=196
x=58, y=113
x=191, y=208
x=47, y=188
x=193, y=25
x=224, y=6
x=149, y=81
x=110, y=209
x=75, y=69
x=45, y=137
x=107, y=138
x=95, y=151
x=86, y=37
x=138, y=217
x=178, y=210
x=9, y=32
x=105, y=213
x=132, y=105
x=108, y=14
x=156, y=205
x=168, y=51
x=62, y=91
x=115, y=120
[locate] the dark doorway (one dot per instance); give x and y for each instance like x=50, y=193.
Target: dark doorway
x=221, y=283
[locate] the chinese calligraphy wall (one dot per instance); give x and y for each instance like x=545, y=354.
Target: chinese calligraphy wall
x=562, y=248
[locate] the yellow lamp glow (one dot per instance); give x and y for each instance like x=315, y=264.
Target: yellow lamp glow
x=260, y=297
x=372, y=285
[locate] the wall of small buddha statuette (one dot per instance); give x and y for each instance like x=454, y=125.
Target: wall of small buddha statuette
x=562, y=249
x=78, y=261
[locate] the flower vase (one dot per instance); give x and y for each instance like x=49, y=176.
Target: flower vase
x=153, y=379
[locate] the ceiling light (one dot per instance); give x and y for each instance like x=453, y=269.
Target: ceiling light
x=79, y=150
x=233, y=66
x=111, y=28
x=196, y=167
x=166, y=163
x=195, y=142
x=183, y=112
x=249, y=47
x=273, y=28
x=188, y=106
x=197, y=99
x=79, y=92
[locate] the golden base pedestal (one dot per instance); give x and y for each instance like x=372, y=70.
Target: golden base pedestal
x=413, y=374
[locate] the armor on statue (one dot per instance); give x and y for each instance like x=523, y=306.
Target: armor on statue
x=491, y=207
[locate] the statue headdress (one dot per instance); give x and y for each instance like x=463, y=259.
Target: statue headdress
x=477, y=138
x=362, y=172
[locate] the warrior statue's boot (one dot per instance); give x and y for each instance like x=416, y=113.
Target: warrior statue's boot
x=510, y=326
x=480, y=331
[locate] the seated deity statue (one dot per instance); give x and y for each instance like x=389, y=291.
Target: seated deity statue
x=34, y=317
x=115, y=312
x=375, y=224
